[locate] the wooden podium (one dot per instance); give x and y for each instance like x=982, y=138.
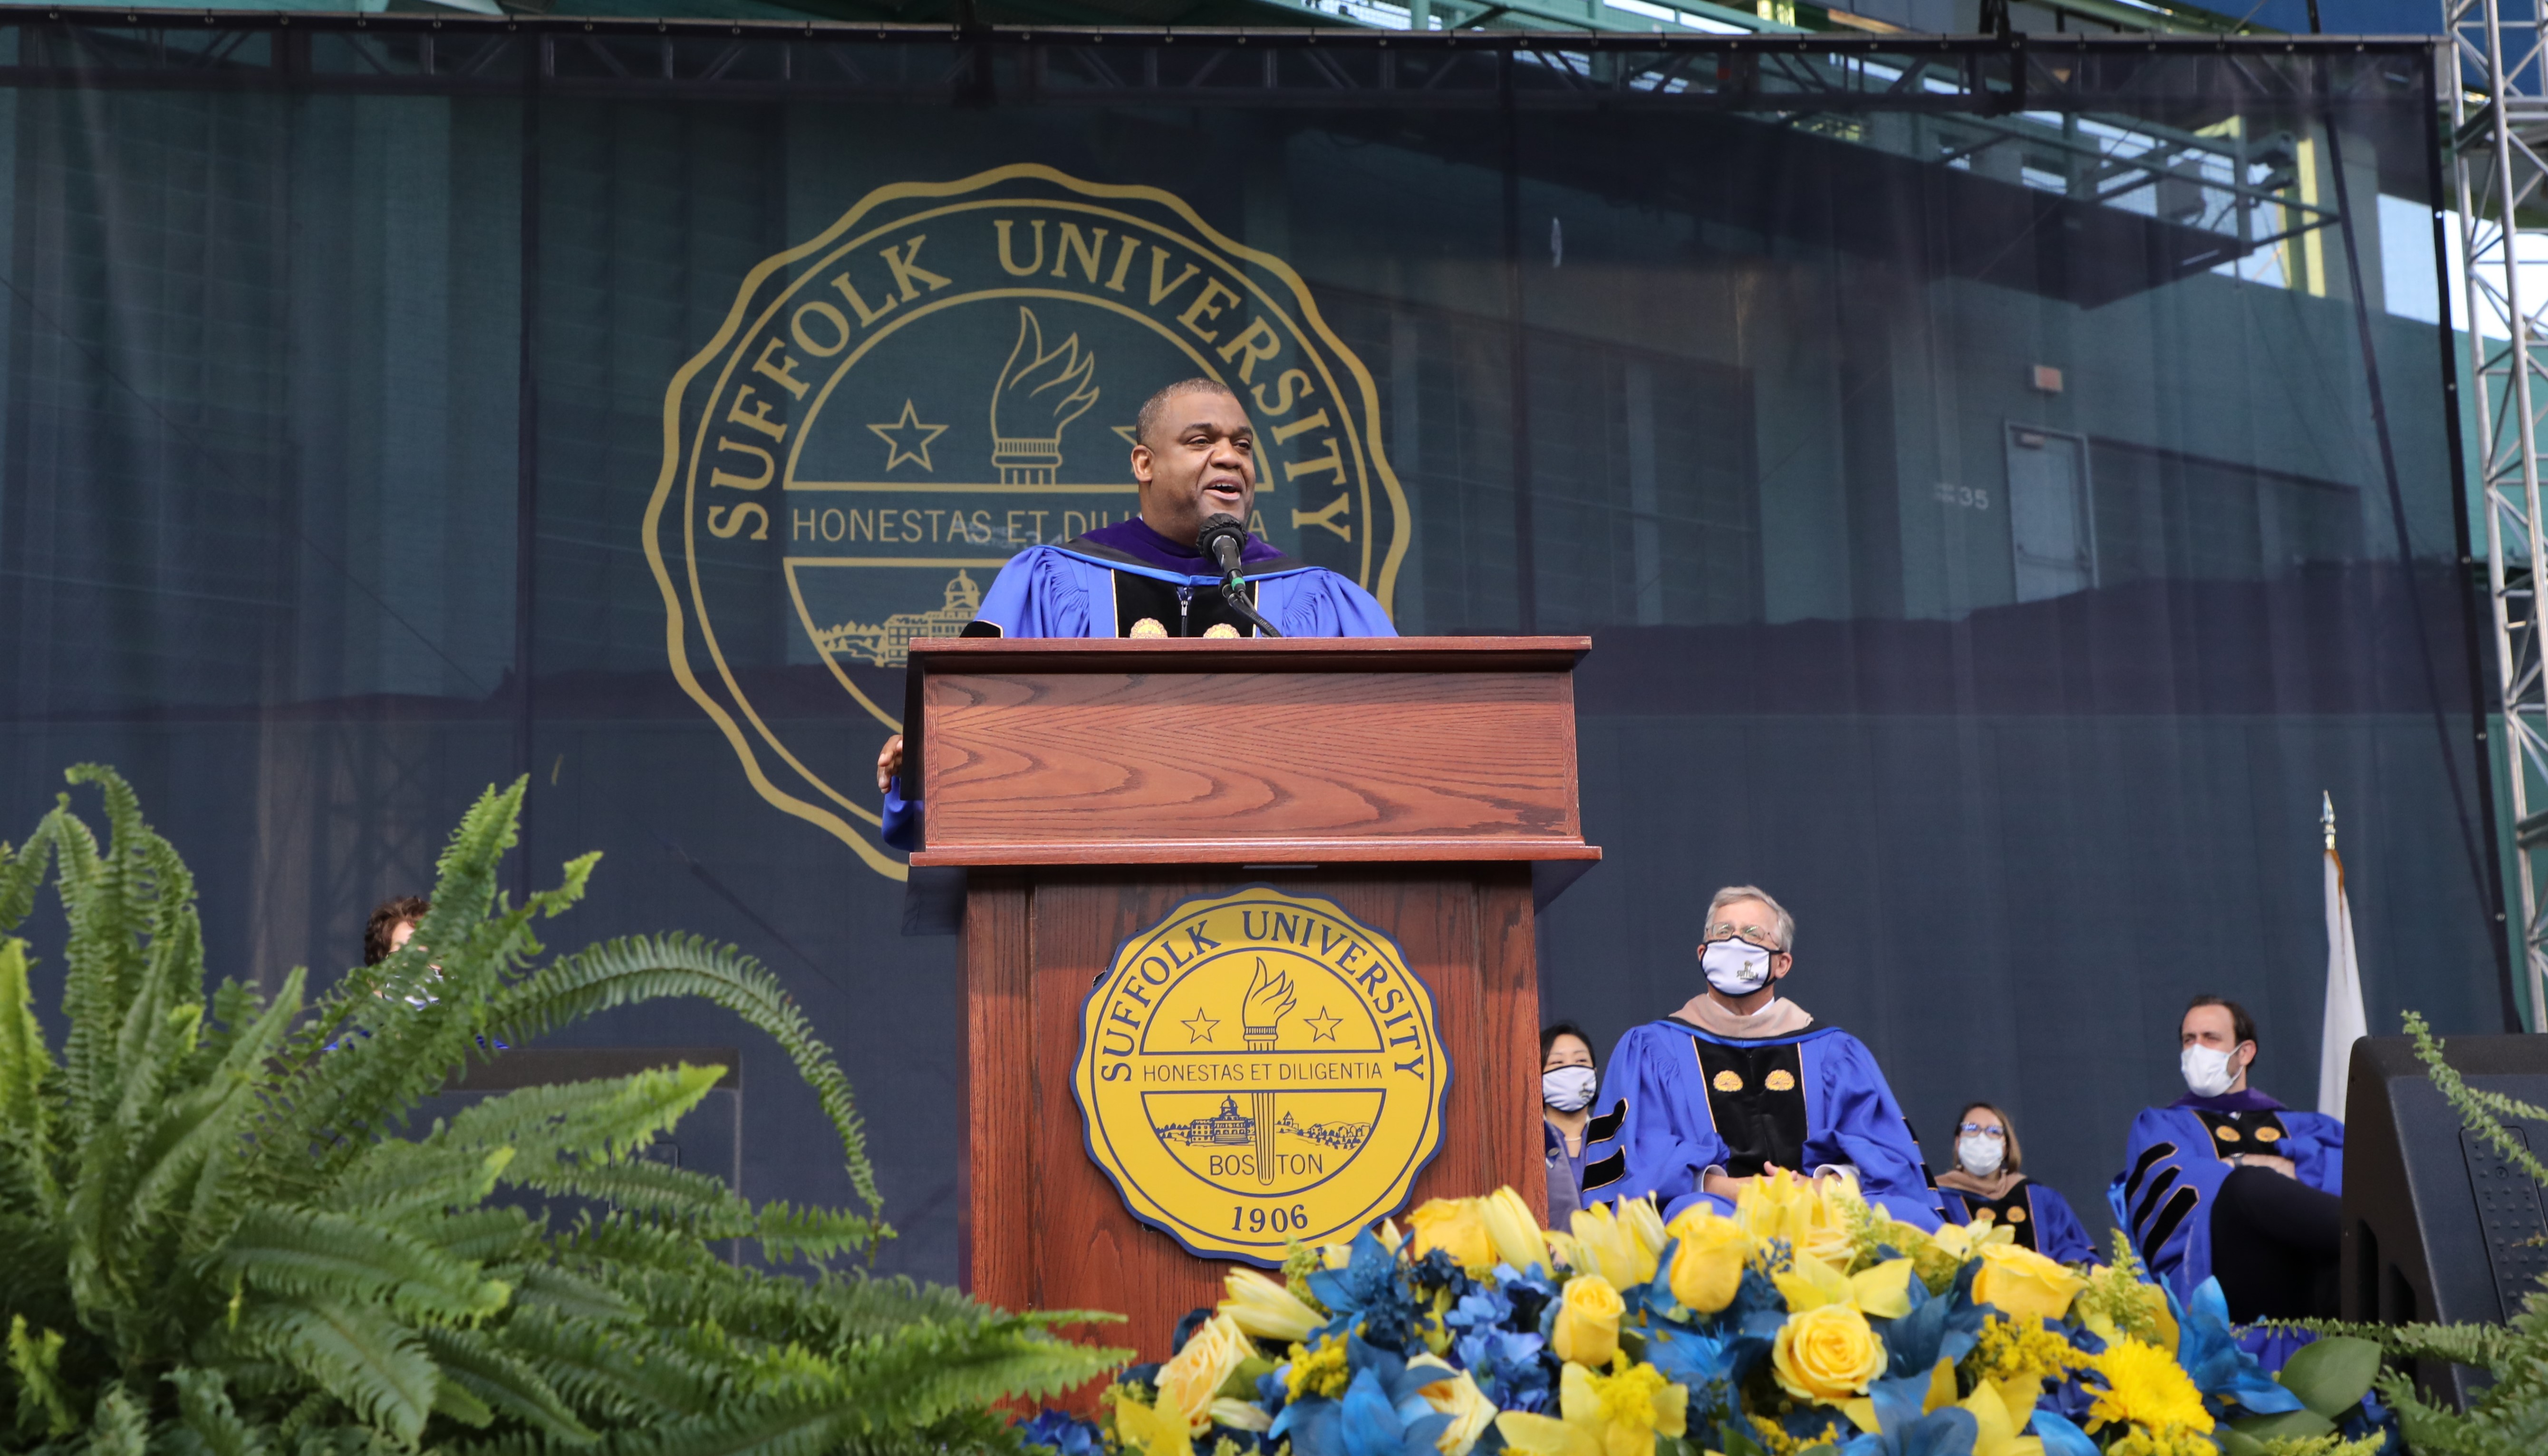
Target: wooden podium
x=1089, y=786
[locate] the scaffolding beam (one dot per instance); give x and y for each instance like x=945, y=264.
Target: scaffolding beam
x=2498, y=133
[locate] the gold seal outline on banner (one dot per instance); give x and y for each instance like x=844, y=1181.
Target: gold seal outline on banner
x=1232, y=262
x=1260, y=1069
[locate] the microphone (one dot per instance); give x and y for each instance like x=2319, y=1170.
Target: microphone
x=1221, y=541
x=1224, y=537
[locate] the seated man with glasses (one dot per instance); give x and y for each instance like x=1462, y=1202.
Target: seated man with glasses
x=1986, y=1183
x=1740, y=1082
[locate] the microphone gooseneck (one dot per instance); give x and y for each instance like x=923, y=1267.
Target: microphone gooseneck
x=1222, y=539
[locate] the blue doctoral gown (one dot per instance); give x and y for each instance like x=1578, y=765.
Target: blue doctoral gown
x=1809, y=1101
x=2180, y=1153
x=1077, y=590
x=2043, y=1220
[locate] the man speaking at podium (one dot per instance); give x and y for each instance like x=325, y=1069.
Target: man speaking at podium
x=1185, y=567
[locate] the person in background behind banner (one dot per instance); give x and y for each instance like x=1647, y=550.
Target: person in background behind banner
x=1194, y=460
x=1566, y=1082
x=2227, y=1181
x=392, y=925
x=1740, y=1082
x=1989, y=1182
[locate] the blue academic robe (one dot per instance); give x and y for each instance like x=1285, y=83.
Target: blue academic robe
x=1073, y=590
x=2043, y=1220
x=2178, y=1156
x=1815, y=1098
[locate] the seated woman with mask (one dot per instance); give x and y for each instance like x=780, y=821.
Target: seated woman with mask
x=1566, y=1082
x=1987, y=1183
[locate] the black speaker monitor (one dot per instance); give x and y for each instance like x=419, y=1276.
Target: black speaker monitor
x=2437, y=1224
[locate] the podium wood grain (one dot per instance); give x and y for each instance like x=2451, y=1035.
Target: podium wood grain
x=1167, y=751
x=1063, y=1238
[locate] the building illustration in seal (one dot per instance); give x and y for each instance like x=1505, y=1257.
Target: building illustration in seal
x=1231, y=1127
x=888, y=644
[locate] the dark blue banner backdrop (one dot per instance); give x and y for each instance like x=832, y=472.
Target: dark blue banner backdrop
x=1964, y=457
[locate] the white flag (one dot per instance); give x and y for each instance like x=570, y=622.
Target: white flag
x=2344, y=1023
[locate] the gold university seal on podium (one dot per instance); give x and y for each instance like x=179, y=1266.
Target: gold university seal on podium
x=1260, y=1070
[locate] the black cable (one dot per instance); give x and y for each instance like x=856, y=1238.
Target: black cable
x=1234, y=590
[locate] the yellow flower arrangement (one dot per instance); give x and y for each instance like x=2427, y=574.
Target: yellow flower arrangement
x=1511, y=1229
x=1457, y=1396
x=1588, y=1320
x=1147, y=1430
x=1615, y=1248
x=2148, y=1390
x=1267, y=1310
x=2016, y=1356
x=2020, y=1281
x=2119, y=1300
x=1827, y=1354
x=1707, y=1267
x=1644, y=1222
x=1456, y=1226
x=1618, y=1415
x=1812, y=1215
x=1841, y=1266
x=1319, y=1370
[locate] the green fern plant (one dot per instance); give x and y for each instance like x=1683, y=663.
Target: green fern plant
x=217, y=1237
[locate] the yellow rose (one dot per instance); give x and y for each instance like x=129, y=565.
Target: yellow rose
x=1827, y=1354
x=1457, y=1396
x=2020, y=1281
x=1457, y=1226
x=1188, y=1382
x=1707, y=1267
x=1587, y=1322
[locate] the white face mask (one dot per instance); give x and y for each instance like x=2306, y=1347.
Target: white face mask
x=2208, y=1072
x=1736, y=967
x=1980, y=1155
x=1567, y=1088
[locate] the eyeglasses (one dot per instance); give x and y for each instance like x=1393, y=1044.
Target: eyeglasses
x=1758, y=935
x=1977, y=1130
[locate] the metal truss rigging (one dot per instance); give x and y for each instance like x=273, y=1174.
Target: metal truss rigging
x=2498, y=133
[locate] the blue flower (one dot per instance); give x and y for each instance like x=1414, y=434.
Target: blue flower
x=1483, y=1308
x=1437, y=1270
x=1757, y=1311
x=1383, y=1412
x=1529, y=1291
x=2060, y=1438
x=1940, y=1327
x=1056, y=1430
x=2209, y=1351
x=1367, y=1293
x=1948, y=1431
x=1708, y=1365
x=1511, y=1369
